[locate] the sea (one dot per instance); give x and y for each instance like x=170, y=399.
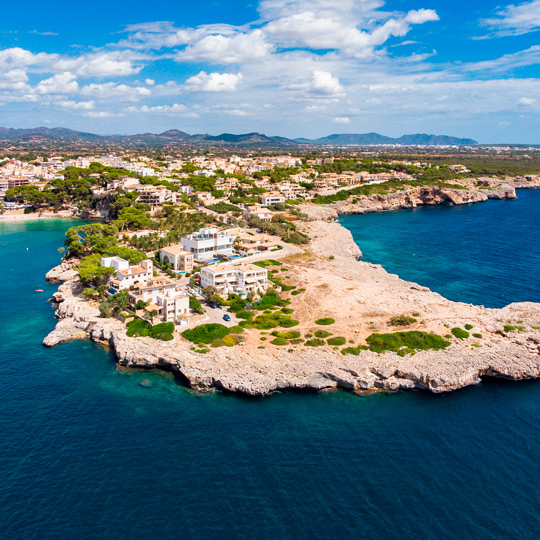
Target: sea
x=90, y=451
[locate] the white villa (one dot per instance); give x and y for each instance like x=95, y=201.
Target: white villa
x=126, y=275
x=239, y=279
x=208, y=243
x=272, y=198
x=181, y=260
x=163, y=297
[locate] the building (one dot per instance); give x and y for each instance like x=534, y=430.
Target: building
x=128, y=276
x=271, y=199
x=172, y=306
x=181, y=260
x=247, y=244
x=208, y=243
x=240, y=279
x=147, y=292
x=259, y=212
x=155, y=195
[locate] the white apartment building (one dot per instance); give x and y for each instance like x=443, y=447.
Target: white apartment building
x=173, y=307
x=155, y=195
x=208, y=243
x=126, y=275
x=148, y=292
x=239, y=279
x=271, y=199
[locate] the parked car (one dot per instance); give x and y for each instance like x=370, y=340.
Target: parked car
x=227, y=317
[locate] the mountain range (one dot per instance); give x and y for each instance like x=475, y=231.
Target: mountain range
x=174, y=136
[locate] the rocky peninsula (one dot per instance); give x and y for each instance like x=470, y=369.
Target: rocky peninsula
x=360, y=297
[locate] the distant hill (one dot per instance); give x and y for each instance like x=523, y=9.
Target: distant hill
x=366, y=139
x=174, y=137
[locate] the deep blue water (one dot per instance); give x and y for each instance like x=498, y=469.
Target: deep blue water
x=87, y=452
x=485, y=253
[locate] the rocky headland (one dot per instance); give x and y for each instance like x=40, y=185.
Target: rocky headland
x=361, y=297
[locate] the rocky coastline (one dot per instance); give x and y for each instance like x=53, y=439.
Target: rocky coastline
x=363, y=297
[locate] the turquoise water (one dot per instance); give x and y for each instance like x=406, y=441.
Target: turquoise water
x=88, y=452
x=485, y=253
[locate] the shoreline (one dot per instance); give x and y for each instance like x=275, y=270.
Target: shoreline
x=364, y=297
x=36, y=217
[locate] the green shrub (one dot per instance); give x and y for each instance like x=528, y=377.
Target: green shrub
x=322, y=334
x=279, y=341
x=325, y=322
x=354, y=350
x=314, y=343
x=407, y=341
x=510, y=328
x=236, y=330
x=291, y=334
x=141, y=328
x=244, y=314
x=273, y=320
x=287, y=311
x=195, y=305
x=460, y=333
x=401, y=320
x=469, y=327
x=206, y=333
x=478, y=336
x=337, y=341
x=269, y=262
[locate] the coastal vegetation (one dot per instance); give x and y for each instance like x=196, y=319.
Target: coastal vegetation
x=406, y=342
x=325, y=322
x=141, y=328
x=401, y=320
x=460, y=333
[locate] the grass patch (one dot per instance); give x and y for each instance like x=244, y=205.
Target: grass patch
x=267, y=263
x=337, y=341
x=478, y=336
x=406, y=342
x=460, y=333
x=291, y=334
x=142, y=328
x=314, y=343
x=401, y=320
x=322, y=334
x=287, y=311
x=298, y=291
x=273, y=320
x=325, y=322
x=469, y=327
x=280, y=342
x=206, y=334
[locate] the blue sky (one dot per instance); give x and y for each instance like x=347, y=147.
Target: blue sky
x=283, y=67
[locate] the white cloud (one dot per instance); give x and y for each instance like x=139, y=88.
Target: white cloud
x=61, y=83
x=516, y=19
x=213, y=82
x=325, y=83
x=77, y=105
x=113, y=90
x=526, y=102
x=222, y=49
x=174, y=110
x=342, y=120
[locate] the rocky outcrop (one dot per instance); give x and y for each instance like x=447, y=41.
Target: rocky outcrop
x=65, y=271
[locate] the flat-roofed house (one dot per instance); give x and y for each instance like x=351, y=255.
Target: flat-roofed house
x=247, y=244
x=271, y=199
x=178, y=257
x=208, y=243
x=240, y=279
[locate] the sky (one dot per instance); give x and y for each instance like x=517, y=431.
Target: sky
x=295, y=68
